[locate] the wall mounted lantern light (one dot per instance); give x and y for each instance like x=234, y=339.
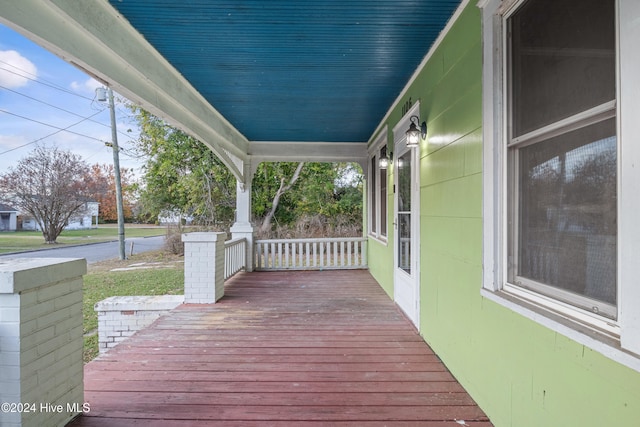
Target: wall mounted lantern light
x=385, y=160
x=414, y=135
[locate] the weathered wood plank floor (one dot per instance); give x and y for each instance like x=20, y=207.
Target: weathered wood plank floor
x=280, y=349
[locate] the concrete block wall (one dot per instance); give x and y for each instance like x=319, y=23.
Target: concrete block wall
x=41, y=343
x=203, y=267
x=121, y=317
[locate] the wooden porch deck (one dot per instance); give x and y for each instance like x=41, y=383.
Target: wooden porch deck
x=280, y=349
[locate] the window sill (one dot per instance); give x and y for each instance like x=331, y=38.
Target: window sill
x=379, y=239
x=596, y=340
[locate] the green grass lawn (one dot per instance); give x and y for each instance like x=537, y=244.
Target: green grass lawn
x=101, y=283
x=32, y=240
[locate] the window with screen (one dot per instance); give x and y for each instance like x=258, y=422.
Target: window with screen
x=562, y=151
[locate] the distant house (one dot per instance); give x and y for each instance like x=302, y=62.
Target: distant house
x=8, y=218
x=86, y=220
x=174, y=217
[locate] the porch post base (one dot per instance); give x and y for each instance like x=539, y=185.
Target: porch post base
x=203, y=267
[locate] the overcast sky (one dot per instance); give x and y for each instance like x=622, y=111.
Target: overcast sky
x=41, y=94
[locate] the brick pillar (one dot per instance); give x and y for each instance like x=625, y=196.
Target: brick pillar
x=41, y=341
x=203, y=267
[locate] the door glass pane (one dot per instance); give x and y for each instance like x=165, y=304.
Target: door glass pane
x=404, y=212
x=383, y=202
x=562, y=60
x=567, y=212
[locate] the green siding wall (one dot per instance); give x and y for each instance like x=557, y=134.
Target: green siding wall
x=382, y=268
x=521, y=373
x=382, y=252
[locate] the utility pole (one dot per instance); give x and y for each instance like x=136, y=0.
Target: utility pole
x=116, y=168
x=116, y=171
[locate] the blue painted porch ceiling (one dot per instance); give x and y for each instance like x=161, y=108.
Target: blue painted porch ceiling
x=325, y=70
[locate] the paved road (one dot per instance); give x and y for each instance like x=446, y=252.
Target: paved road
x=94, y=252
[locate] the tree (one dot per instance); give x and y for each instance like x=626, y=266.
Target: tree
x=182, y=175
x=322, y=197
x=285, y=185
x=101, y=187
x=49, y=185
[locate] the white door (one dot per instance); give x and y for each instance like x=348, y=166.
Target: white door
x=406, y=227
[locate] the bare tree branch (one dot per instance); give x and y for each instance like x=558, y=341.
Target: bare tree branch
x=266, y=224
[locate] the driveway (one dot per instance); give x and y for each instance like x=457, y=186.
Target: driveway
x=94, y=252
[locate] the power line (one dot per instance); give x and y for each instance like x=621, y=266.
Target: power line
x=60, y=108
x=42, y=82
x=66, y=129
x=52, y=85
x=56, y=127
x=94, y=153
x=35, y=76
x=51, y=134
x=131, y=153
x=54, y=106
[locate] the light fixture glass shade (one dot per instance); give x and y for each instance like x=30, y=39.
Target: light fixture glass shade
x=413, y=136
x=383, y=163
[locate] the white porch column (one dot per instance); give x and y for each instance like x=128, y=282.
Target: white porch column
x=203, y=267
x=41, y=369
x=243, y=228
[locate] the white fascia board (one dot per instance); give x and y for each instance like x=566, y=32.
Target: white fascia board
x=95, y=38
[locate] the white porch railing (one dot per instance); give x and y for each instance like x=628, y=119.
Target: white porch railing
x=209, y=260
x=310, y=254
x=234, y=256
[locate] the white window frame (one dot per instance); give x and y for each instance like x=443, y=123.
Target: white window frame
x=619, y=340
x=375, y=211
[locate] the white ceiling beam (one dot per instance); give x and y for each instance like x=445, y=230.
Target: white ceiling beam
x=274, y=151
x=309, y=151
